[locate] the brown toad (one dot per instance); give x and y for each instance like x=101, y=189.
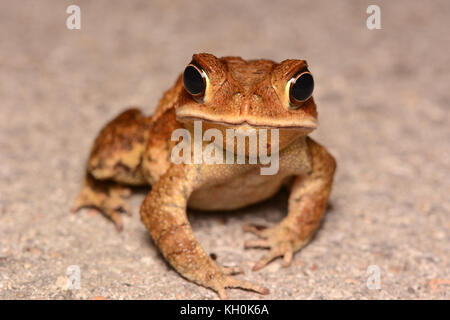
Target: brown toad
x=221, y=93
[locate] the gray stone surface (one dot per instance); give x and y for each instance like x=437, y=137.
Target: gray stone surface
x=383, y=99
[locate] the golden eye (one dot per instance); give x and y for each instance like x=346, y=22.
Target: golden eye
x=300, y=89
x=194, y=80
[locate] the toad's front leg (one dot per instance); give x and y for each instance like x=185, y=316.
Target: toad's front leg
x=307, y=204
x=164, y=214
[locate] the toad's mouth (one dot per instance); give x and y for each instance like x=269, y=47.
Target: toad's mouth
x=308, y=124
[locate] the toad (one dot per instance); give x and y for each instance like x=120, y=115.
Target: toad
x=222, y=94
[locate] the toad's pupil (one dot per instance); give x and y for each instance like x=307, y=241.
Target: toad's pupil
x=193, y=80
x=303, y=87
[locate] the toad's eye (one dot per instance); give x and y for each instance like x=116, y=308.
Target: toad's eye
x=301, y=88
x=194, y=80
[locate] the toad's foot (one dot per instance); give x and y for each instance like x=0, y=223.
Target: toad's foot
x=223, y=280
x=219, y=278
x=230, y=271
x=107, y=197
x=280, y=240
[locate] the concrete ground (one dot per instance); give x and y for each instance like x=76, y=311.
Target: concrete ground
x=383, y=100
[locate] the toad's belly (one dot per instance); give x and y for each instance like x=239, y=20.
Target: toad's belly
x=237, y=193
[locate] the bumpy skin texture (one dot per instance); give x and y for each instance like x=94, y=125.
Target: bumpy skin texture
x=135, y=150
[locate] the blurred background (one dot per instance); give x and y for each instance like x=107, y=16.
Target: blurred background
x=383, y=99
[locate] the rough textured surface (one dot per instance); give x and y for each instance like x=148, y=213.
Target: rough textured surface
x=383, y=101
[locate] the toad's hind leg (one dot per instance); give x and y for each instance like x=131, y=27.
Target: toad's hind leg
x=115, y=162
x=106, y=196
